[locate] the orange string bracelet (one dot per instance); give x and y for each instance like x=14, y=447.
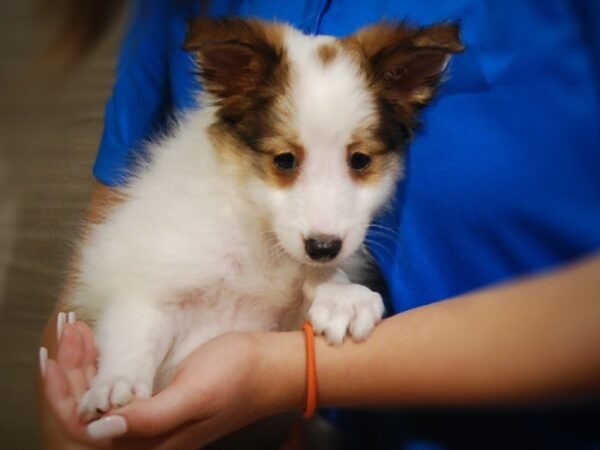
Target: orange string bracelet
x=311, y=371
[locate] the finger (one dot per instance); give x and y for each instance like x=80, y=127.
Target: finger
x=71, y=318
x=164, y=412
x=61, y=319
x=43, y=361
x=78, y=382
x=61, y=401
x=112, y=430
x=70, y=350
x=71, y=357
x=90, y=352
x=89, y=348
x=56, y=384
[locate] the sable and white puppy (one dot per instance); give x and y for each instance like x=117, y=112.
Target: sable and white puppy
x=243, y=217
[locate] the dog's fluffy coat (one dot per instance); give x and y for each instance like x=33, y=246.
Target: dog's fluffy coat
x=212, y=235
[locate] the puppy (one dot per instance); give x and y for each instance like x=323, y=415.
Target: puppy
x=251, y=215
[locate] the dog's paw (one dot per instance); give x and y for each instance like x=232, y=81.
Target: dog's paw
x=340, y=309
x=112, y=392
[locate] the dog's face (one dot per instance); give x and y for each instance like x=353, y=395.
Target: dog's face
x=316, y=127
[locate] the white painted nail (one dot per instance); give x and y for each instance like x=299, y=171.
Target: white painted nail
x=107, y=428
x=60, y=325
x=71, y=318
x=43, y=360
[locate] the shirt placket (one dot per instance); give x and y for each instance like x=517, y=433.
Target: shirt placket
x=314, y=11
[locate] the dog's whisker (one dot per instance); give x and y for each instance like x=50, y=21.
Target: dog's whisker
x=382, y=227
x=384, y=249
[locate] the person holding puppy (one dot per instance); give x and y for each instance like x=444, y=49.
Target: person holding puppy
x=489, y=254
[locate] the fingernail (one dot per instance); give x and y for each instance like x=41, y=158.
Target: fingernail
x=43, y=360
x=107, y=427
x=60, y=324
x=71, y=318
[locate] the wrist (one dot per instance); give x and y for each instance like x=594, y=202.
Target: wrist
x=280, y=380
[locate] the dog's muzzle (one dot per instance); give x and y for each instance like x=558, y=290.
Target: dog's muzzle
x=322, y=248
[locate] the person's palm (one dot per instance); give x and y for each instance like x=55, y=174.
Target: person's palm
x=213, y=393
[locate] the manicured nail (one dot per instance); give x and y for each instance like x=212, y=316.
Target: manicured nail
x=60, y=325
x=71, y=318
x=43, y=360
x=107, y=427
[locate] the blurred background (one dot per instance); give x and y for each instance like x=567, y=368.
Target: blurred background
x=50, y=125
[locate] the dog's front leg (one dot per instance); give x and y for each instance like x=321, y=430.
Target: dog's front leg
x=340, y=307
x=133, y=338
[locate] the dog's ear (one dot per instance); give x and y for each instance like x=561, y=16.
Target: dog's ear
x=406, y=63
x=236, y=56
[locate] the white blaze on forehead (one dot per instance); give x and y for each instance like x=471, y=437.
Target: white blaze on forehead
x=329, y=100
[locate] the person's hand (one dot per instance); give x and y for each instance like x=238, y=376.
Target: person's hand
x=222, y=386
x=66, y=377
x=217, y=390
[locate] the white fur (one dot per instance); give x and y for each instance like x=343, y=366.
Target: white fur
x=329, y=102
x=192, y=254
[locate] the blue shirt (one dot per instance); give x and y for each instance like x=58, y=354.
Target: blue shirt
x=503, y=180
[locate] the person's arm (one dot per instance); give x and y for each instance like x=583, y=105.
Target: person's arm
x=534, y=340
x=531, y=340
x=528, y=341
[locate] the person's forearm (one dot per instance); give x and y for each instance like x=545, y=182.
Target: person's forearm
x=532, y=340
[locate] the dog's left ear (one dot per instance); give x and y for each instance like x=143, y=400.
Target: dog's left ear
x=404, y=62
x=236, y=56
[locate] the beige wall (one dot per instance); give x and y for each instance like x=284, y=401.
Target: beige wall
x=49, y=130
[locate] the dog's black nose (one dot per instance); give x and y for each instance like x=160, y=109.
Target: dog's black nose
x=322, y=248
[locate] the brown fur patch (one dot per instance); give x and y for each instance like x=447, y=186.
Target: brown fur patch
x=404, y=62
x=382, y=161
x=274, y=175
x=327, y=53
x=247, y=165
x=442, y=36
x=385, y=38
x=243, y=64
x=403, y=65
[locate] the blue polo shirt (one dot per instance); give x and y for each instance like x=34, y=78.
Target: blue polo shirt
x=503, y=180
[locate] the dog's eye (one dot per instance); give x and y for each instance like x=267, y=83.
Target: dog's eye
x=285, y=161
x=359, y=161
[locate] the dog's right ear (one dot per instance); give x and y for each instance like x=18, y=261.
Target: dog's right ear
x=236, y=56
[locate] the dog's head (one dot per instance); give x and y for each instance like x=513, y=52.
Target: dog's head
x=315, y=126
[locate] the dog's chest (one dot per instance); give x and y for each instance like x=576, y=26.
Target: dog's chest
x=247, y=297
x=248, y=292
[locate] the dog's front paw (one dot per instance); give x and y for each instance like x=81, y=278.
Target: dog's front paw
x=111, y=392
x=340, y=309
